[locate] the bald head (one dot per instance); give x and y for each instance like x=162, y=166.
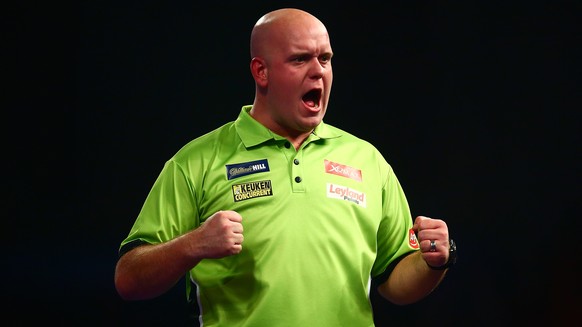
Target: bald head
x=291, y=66
x=278, y=24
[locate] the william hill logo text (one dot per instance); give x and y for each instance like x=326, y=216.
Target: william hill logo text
x=251, y=190
x=345, y=193
x=246, y=168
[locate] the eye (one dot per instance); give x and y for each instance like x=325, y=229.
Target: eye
x=325, y=58
x=300, y=59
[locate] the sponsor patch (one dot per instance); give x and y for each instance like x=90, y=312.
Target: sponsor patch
x=345, y=193
x=246, y=168
x=412, y=240
x=251, y=190
x=342, y=170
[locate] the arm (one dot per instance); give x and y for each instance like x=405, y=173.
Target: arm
x=412, y=278
x=150, y=270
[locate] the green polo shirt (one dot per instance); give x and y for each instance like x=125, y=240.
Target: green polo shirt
x=319, y=222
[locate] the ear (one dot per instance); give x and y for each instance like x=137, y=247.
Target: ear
x=259, y=71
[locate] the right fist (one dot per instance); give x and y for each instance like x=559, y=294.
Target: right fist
x=221, y=235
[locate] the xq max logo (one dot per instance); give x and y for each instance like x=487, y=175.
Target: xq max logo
x=342, y=170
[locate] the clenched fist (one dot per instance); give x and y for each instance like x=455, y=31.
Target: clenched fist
x=221, y=235
x=433, y=238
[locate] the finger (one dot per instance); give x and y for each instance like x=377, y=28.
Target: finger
x=420, y=223
x=237, y=248
x=239, y=239
x=237, y=228
x=430, y=245
x=233, y=216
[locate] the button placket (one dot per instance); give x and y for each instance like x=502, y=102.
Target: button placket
x=297, y=173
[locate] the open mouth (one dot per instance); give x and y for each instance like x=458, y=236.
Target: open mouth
x=312, y=98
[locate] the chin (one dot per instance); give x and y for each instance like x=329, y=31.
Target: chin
x=312, y=122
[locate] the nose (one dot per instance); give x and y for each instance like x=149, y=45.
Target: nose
x=317, y=69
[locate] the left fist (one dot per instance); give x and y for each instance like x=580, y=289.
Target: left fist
x=433, y=239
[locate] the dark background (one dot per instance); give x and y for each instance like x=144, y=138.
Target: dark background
x=475, y=104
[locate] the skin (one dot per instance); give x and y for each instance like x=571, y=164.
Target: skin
x=291, y=57
x=412, y=279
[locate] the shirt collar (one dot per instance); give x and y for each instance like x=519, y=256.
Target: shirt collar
x=253, y=133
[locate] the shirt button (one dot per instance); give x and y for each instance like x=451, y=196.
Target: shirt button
x=298, y=179
x=296, y=161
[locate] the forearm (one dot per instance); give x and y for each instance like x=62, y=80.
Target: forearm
x=411, y=280
x=150, y=270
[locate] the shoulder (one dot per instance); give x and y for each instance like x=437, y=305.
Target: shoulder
x=346, y=138
x=206, y=143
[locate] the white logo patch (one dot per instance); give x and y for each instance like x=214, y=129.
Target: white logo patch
x=345, y=193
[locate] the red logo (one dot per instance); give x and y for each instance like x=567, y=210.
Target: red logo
x=412, y=240
x=342, y=170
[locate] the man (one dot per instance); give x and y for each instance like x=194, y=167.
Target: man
x=277, y=218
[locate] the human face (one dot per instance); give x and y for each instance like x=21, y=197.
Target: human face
x=299, y=77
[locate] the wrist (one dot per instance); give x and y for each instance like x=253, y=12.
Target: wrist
x=452, y=257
